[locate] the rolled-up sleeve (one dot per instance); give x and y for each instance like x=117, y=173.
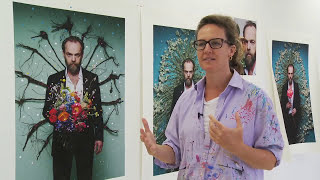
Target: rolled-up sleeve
x=267, y=129
x=172, y=135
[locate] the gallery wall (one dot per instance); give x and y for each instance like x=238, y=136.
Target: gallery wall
x=294, y=21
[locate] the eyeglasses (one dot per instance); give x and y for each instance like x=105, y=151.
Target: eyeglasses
x=215, y=43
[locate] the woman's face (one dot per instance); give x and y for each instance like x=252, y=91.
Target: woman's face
x=214, y=60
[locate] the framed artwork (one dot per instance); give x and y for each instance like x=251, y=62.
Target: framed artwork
x=248, y=36
x=39, y=33
x=175, y=69
x=291, y=74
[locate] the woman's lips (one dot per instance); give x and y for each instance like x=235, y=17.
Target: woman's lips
x=209, y=59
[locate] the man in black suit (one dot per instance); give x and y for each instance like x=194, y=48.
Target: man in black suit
x=290, y=104
x=188, y=72
x=78, y=143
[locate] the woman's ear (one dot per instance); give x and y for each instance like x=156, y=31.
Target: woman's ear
x=233, y=50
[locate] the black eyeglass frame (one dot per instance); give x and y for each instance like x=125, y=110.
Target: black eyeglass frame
x=222, y=41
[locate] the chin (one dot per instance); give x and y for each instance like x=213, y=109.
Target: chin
x=210, y=69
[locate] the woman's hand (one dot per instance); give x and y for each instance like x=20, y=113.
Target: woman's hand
x=147, y=137
x=230, y=139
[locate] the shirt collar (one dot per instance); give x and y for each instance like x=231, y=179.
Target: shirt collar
x=235, y=81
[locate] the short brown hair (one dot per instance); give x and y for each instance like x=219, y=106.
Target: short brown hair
x=231, y=31
x=188, y=60
x=248, y=24
x=290, y=65
x=72, y=39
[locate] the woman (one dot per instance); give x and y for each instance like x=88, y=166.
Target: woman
x=224, y=127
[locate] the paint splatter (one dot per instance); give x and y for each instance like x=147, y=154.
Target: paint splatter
x=198, y=158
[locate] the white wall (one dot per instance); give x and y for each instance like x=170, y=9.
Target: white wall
x=299, y=21
x=296, y=20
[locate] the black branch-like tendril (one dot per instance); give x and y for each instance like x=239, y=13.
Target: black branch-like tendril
x=67, y=25
x=112, y=77
x=30, y=79
x=64, y=26
x=33, y=50
x=94, y=50
x=109, y=58
x=104, y=45
x=24, y=100
x=44, y=35
x=45, y=143
x=115, y=102
x=105, y=126
x=34, y=129
x=84, y=35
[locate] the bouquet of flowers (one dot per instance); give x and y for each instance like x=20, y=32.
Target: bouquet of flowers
x=289, y=93
x=69, y=113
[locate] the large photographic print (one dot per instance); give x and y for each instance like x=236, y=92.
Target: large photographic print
x=54, y=118
x=248, y=34
x=176, y=69
x=291, y=73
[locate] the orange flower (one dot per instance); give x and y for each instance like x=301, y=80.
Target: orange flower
x=76, y=97
x=63, y=116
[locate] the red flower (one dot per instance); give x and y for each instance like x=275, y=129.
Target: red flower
x=75, y=118
x=53, y=111
x=77, y=98
x=289, y=93
x=53, y=118
x=80, y=126
x=84, y=115
x=76, y=109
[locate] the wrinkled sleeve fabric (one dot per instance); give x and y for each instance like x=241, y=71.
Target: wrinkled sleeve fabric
x=267, y=129
x=172, y=135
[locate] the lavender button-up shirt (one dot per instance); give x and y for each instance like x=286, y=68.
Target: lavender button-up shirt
x=197, y=156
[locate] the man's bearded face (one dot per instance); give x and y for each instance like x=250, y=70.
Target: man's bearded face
x=249, y=44
x=188, y=73
x=73, y=57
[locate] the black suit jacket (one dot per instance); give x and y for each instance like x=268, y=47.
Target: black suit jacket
x=285, y=100
x=291, y=122
x=90, y=86
x=178, y=90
